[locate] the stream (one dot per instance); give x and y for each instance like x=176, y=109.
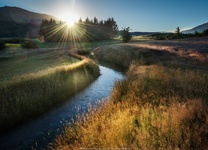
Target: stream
x=40, y=131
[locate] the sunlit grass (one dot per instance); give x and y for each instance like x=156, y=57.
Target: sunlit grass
x=162, y=104
x=29, y=94
x=154, y=111
x=34, y=80
x=9, y=45
x=142, y=37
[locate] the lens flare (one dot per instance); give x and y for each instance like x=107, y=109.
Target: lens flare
x=69, y=18
x=70, y=22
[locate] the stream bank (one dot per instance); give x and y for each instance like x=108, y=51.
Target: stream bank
x=42, y=130
x=26, y=97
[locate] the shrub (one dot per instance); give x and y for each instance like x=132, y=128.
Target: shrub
x=160, y=38
x=29, y=44
x=2, y=45
x=83, y=52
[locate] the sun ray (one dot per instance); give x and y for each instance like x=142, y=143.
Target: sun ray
x=70, y=34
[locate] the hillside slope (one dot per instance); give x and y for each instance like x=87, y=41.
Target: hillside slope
x=199, y=28
x=17, y=22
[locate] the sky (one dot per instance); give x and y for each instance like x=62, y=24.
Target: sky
x=139, y=15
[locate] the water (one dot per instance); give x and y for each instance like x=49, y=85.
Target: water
x=42, y=130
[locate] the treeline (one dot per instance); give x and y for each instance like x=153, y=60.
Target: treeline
x=83, y=30
x=178, y=35
x=204, y=33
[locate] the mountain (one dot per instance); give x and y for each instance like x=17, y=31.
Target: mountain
x=199, y=28
x=18, y=22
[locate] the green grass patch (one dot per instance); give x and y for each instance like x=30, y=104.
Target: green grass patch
x=53, y=45
x=24, y=62
x=79, y=45
x=10, y=45
x=92, y=45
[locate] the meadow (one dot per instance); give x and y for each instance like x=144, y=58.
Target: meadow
x=32, y=81
x=162, y=103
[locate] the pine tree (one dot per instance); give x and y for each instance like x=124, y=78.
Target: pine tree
x=87, y=21
x=178, y=31
x=95, y=21
x=80, y=20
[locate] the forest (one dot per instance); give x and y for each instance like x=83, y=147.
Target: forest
x=83, y=30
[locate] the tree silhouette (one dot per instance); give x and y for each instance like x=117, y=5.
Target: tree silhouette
x=205, y=32
x=126, y=36
x=87, y=21
x=111, y=27
x=46, y=29
x=95, y=21
x=87, y=30
x=101, y=23
x=80, y=20
x=178, y=31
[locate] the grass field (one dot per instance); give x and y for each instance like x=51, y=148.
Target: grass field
x=162, y=103
x=84, y=45
x=33, y=81
x=29, y=62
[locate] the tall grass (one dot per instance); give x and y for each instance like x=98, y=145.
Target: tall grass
x=155, y=111
x=147, y=54
x=124, y=55
x=28, y=95
x=162, y=104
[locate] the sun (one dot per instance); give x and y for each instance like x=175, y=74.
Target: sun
x=69, y=18
x=70, y=22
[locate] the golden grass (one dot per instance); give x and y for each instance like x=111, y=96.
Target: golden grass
x=139, y=127
x=28, y=95
x=145, y=116
x=162, y=104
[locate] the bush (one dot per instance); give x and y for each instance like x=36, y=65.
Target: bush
x=160, y=38
x=83, y=52
x=29, y=44
x=2, y=45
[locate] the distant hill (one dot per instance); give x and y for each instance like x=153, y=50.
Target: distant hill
x=18, y=22
x=141, y=33
x=199, y=28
